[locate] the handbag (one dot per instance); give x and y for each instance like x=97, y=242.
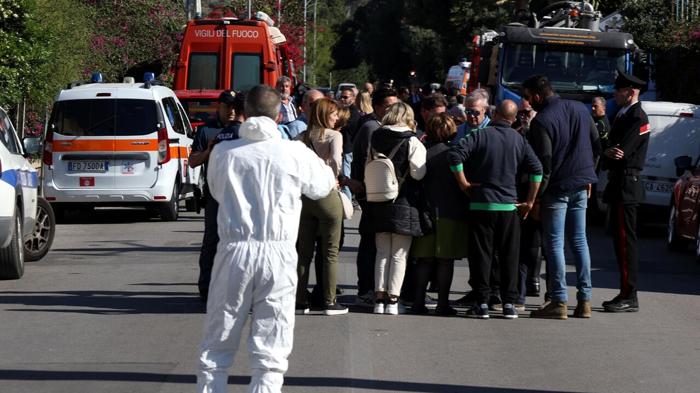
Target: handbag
x=348, y=208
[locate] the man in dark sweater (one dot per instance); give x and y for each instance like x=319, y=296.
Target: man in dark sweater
x=563, y=135
x=491, y=158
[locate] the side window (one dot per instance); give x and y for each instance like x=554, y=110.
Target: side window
x=7, y=134
x=174, y=115
x=185, y=120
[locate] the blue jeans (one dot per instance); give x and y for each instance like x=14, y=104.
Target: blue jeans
x=564, y=217
x=347, y=161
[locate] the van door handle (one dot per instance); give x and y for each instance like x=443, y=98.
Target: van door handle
x=174, y=140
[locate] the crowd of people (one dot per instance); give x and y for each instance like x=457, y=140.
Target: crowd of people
x=438, y=177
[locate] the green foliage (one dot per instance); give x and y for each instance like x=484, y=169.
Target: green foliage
x=22, y=52
x=357, y=75
x=139, y=35
x=64, y=26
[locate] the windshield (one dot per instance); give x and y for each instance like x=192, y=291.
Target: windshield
x=568, y=69
x=105, y=117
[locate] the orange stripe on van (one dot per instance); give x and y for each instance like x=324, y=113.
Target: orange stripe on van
x=183, y=152
x=106, y=145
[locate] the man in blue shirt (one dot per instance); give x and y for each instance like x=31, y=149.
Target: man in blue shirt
x=224, y=126
x=476, y=107
x=564, y=138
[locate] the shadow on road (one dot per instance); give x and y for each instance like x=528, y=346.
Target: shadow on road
x=117, y=216
x=104, y=302
x=328, y=382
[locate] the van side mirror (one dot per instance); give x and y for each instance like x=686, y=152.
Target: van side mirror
x=683, y=163
x=32, y=145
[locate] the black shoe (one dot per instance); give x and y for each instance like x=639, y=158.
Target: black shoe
x=445, y=311
x=334, y=309
x=467, y=300
x=302, y=309
x=614, y=300
x=481, y=312
x=533, y=289
x=623, y=305
x=509, y=311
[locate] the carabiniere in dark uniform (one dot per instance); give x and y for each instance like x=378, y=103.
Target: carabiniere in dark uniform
x=629, y=134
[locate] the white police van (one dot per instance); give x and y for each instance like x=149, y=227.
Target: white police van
x=119, y=144
x=18, y=201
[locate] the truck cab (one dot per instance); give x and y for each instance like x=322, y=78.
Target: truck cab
x=227, y=53
x=566, y=44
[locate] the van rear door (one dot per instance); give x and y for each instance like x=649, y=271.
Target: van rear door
x=136, y=127
x=83, y=144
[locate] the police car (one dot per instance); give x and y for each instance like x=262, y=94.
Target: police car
x=18, y=206
x=119, y=144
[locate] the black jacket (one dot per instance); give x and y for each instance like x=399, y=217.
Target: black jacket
x=350, y=130
x=440, y=189
x=629, y=132
x=402, y=215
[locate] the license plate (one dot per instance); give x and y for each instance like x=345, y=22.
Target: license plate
x=88, y=166
x=658, y=186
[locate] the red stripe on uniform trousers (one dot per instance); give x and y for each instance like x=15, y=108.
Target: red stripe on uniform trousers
x=624, y=271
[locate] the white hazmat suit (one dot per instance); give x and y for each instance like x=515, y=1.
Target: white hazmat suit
x=258, y=181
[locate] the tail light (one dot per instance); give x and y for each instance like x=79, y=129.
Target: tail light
x=163, y=146
x=47, y=157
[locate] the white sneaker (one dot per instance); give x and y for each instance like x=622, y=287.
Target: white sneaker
x=392, y=309
x=379, y=307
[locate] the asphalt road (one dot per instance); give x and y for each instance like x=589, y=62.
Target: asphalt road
x=113, y=308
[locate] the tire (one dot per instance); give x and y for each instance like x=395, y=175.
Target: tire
x=39, y=244
x=12, y=256
x=673, y=241
x=169, y=211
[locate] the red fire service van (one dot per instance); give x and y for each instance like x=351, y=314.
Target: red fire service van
x=227, y=53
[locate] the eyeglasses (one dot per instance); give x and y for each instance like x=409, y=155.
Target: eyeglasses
x=472, y=112
x=345, y=97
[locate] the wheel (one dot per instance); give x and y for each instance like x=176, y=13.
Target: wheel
x=169, y=211
x=12, y=256
x=40, y=242
x=673, y=241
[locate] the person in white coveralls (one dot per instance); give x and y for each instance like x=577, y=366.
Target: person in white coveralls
x=258, y=181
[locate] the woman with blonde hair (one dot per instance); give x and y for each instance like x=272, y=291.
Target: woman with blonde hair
x=396, y=222
x=322, y=218
x=364, y=103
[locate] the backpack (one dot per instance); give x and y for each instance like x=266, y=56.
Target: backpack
x=381, y=184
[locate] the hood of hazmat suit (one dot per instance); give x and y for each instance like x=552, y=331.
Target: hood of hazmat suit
x=258, y=181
